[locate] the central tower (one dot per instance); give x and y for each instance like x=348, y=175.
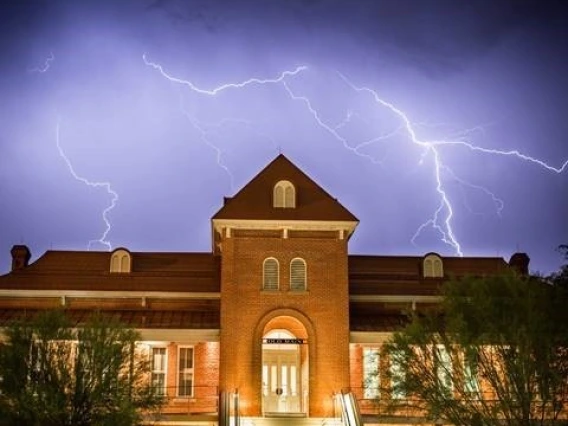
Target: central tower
x=282, y=243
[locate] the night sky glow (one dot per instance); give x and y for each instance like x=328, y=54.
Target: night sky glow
x=440, y=124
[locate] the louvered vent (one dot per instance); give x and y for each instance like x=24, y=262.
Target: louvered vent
x=298, y=275
x=270, y=274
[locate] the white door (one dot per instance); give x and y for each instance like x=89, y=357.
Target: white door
x=281, y=381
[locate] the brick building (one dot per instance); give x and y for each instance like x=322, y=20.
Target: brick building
x=278, y=312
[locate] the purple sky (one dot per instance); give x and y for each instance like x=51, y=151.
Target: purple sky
x=81, y=106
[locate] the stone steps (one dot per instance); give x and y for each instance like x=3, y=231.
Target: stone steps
x=290, y=421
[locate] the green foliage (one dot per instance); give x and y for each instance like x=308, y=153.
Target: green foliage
x=55, y=374
x=496, y=352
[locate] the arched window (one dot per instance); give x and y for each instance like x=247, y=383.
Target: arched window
x=270, y=275
x=297, y=274
x=120, y=261
x=433, y=267
x=284, y=195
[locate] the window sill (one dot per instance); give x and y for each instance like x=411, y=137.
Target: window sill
x=184, y=399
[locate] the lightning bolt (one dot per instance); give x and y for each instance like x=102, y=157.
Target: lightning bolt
x=204, y=129
x=106, y=185
x=497, y=202
x=204, y=135
x=333, y=130
x=46, y=65
x=226, y=86
x=441, y=218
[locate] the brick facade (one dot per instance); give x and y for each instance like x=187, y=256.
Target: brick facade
x=215, y=301
x=322, y=310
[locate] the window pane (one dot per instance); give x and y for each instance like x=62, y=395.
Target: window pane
x=471, y=381
x=289, y=197
x=273, y=378
x=278, y=195
x=298, y=275
x=265, y=380
x=293, y=380
x=397, y=376
x=270, y=274
x=428, y=268
x=444, y=369
x=185, y=372
x=284, y=380
x=159, y=370
x=438, y=268
x=371, y=373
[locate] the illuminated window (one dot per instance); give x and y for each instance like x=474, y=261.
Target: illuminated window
x=270, y=276
x=444, y=370
x=284, y=195
x=120, y=261
x=397, y=375
x=298, y=274
x=470, y=372
x=371, y=377
x=433, y=267
x=185, y=371
x=158, y=360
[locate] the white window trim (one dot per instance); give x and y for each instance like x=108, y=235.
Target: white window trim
x=305, y=284
x=178, y=371
x=166, y=356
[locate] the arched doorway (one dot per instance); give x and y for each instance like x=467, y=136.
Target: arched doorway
x=285, y=368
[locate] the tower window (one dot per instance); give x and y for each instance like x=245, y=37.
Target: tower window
x=298, y=274
x=120, y=261
x=284, y=195
x=433, y=267
x=270, y=275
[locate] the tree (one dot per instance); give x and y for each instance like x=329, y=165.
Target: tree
x=495, y=352
x=55, y=374
x=560, y=278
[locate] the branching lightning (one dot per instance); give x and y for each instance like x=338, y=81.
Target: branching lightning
x=46, y=64
x=106, y=185
x=226, y=86
x=440, y=219
x=205, y=129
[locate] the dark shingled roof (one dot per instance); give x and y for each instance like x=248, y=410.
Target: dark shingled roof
x=135, y=319
x=254, y=201
x=89, y=270
x=402, y=275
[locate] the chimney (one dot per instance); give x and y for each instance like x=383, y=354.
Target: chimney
x=520, y=263
x=20, y=257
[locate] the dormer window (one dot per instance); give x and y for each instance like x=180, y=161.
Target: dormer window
x=284, y=195
x=433, y=266
x=120, y=261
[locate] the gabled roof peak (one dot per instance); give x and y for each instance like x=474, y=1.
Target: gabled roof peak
x=255, y=200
